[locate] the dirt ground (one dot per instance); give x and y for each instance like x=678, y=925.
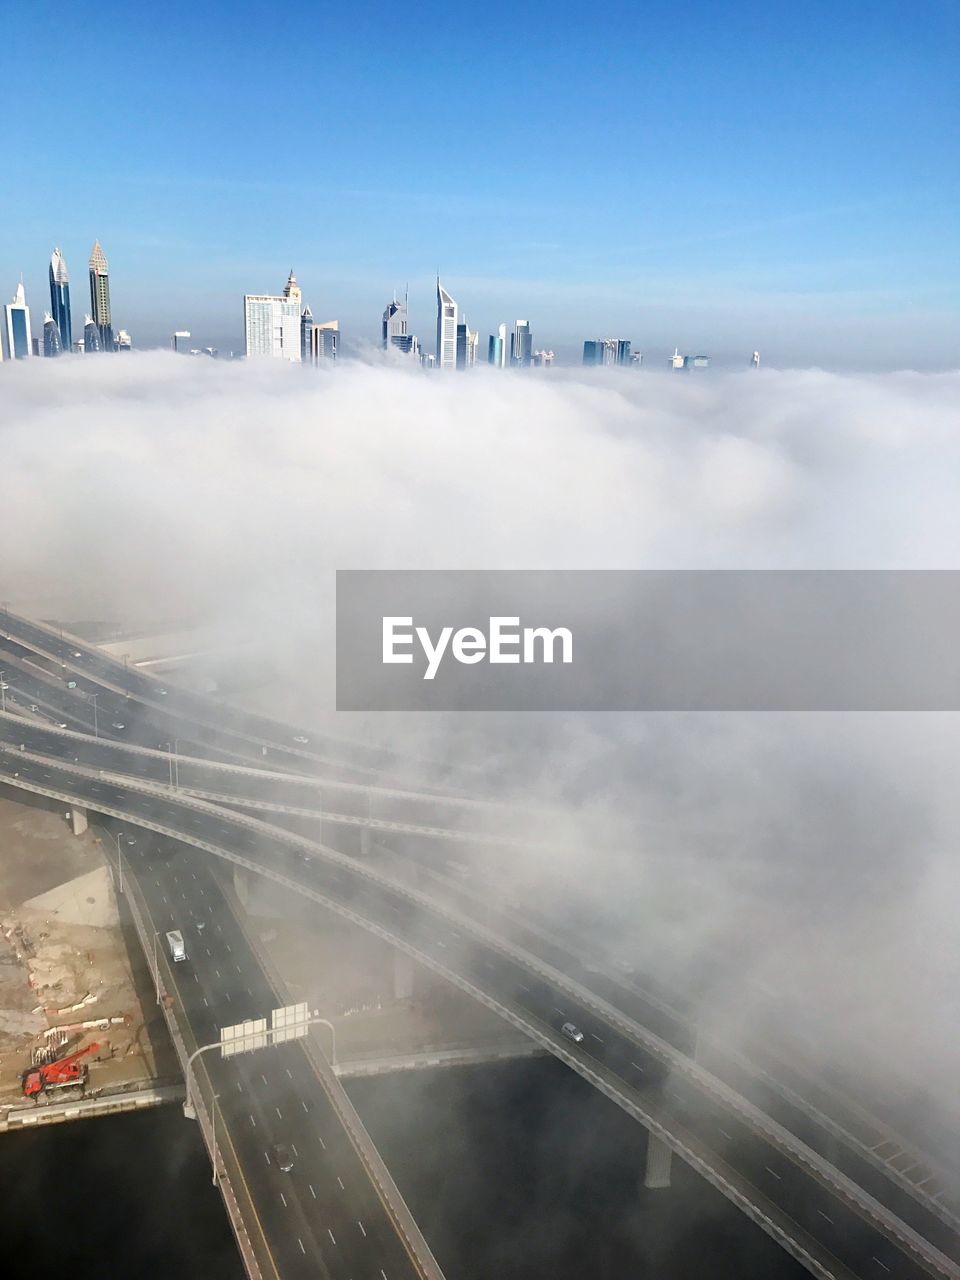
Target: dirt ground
x=65, y=960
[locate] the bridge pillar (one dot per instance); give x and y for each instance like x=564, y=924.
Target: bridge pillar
x=252, y=893
x=402, y=976
x=78, y=821
x=659, y=1160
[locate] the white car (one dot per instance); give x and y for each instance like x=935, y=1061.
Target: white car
x=118, y=724
x=301, y=739
x=77, y=653
x=572, y=1032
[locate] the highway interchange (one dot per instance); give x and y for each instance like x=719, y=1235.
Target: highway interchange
x=823, y=1216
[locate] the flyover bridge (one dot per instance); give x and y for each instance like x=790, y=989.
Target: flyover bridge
x=819, y=1214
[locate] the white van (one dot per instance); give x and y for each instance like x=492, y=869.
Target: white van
x=175, y=942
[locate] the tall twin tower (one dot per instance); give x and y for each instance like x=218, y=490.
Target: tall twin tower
x=98, y=329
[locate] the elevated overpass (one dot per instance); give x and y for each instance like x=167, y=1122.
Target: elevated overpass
x=815, y=1210
x=871, y=1154
x=820, y=1216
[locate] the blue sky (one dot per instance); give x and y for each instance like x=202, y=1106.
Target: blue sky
x=718, y=176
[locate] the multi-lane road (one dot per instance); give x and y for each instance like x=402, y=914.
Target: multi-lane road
x=831, y=1208
x=817, y=1213
x=324, y=1216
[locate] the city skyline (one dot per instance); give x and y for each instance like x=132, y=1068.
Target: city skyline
x=800, y=201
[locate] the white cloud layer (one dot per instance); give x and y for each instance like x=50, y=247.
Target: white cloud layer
x=813, y=854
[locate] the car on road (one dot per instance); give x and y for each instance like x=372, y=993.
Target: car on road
x=572, y=1032
x=61, y=724
x=283, y=1156
x=118, y=724
x=162, y=691
x=34, y=707
x=301, y=739
x=77, y=653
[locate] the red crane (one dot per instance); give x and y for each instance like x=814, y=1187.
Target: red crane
x=66, y=1073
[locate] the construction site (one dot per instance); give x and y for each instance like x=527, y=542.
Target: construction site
x=76, y=1015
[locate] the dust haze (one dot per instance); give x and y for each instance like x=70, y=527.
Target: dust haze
x=799, y=869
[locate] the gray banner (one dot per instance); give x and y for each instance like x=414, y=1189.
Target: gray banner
x=648, y=641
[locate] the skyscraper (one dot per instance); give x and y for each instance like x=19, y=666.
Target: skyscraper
x=447, y=317
x=521, y=344
x=607, y=351
x=306, y=334
x=19, y=343
x=325, y=341
x=394, y=326
x=272, y=323
x=462, y=344
x=60, y=299
x=52, y=346
x=91, y=337
x=100, y=298
x=497, y=348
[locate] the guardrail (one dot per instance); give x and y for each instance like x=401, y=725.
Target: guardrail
x=81, y=1108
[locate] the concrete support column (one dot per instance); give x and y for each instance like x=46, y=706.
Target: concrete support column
x=254, y=894
x=659, y=1160
x=402, y=976
x=241, y=886
x=78, y=821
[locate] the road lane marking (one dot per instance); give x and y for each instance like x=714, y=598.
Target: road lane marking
x=302, y=1249
x=342, y=1187
x=774, y=1172
x=312, y=1192
x=321, y=1141
x=823, y=1215
x=331, y=1235
x=284, y=1199
x=360, y=1225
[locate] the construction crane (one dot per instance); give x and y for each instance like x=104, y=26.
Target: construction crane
x=66, y=1073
